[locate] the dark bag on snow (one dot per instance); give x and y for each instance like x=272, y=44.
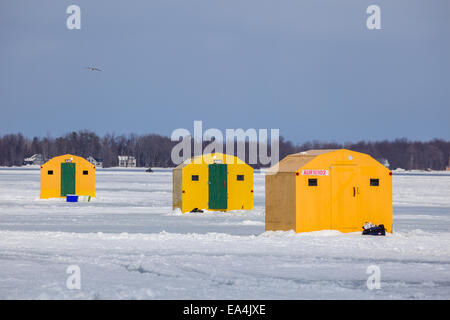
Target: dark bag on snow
x=375, y=231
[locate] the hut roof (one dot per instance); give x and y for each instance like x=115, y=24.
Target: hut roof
x=211, y=158
x=293, y=162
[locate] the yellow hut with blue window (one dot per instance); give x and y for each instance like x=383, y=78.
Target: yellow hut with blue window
x=67, y=174
x=213, y=181
x=328, y=190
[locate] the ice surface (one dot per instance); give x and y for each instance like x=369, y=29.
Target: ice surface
x=129, y=244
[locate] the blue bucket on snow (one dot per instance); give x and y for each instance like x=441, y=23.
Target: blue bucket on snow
x=71, y=198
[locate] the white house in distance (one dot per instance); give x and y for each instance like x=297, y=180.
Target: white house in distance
x=95, y=162
x=36, y=159
x=384, y=162
x=127, y=161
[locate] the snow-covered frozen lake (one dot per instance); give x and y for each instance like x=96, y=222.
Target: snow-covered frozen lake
x=129, y=244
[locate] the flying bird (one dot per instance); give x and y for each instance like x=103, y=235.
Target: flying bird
x=93, y=69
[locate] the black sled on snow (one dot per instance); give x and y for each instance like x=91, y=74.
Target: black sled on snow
x=374, y=230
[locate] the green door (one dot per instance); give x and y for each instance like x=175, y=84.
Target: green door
x=217, y=186
x=67, y=179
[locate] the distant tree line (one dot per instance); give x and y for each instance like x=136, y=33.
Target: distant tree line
x=152, y=150
x=149, y=150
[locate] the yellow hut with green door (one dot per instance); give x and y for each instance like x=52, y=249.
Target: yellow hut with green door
x=213, y=181
x=67, y=174
x=328, y=190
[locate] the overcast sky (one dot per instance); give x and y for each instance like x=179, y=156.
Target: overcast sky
x=309, y=68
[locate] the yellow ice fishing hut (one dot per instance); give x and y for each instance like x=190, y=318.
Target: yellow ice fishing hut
x=214, y=182
x=328, y=190
x=67, y=174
